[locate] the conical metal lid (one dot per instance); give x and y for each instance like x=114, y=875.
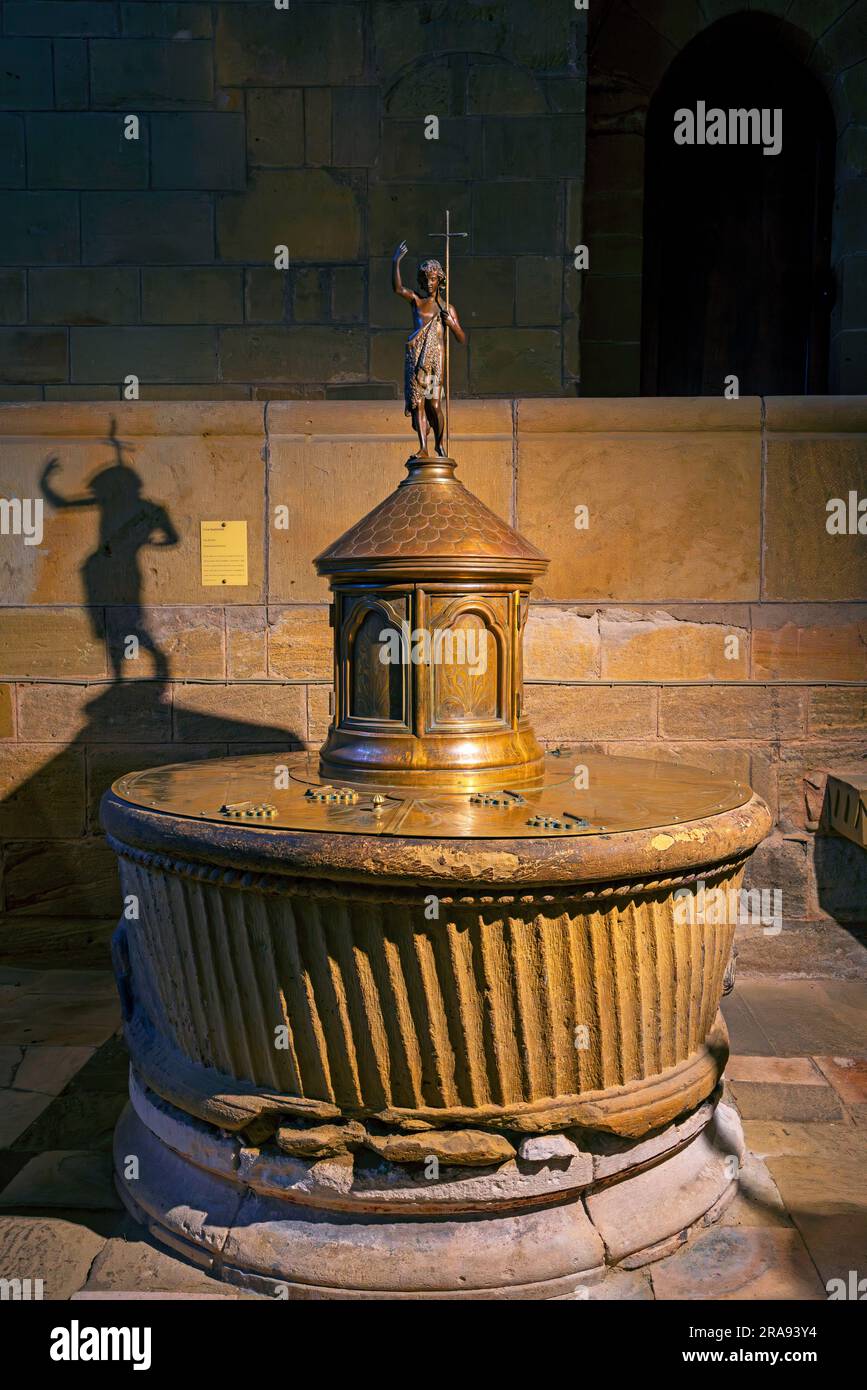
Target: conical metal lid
x=431, y=523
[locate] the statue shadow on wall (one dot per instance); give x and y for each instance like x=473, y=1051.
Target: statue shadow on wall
x=52, y=871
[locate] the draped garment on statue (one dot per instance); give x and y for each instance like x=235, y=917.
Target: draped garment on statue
x=423, y=366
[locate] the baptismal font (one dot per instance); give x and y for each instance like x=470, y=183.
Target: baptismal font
x=427, y=1017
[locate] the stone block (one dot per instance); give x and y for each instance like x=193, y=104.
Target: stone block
x=84, y=18
x=407, y=153
x=293, y=354
x=511, y=32
x=149, y=228
x=307, y=295
x=42, y=792
x=387, y=353
x=612, y=307
x=211, y=294
x=511, y=218
x=33, y=354
x=503, y=360
x=617, y=255
x=303, y=470
x=581, y=713
x=151, y=73
x=628, y=550
x=151, y=354
x=39, y=228
x=12, y=152
x=325, y=46
x=560, y=644
x=40, y=641
x=189, y=640
x=784, y=864
x=70, y=75
x=347, y=293
x=84, y=150
x=202, y=149
x=217, y=443
x=300, y=642
x=751, y=712
x=84, y=297
x=404, y=210
x=61, y=713
x=802, y=560
x=689, y=644
x=809, y=642
x=539, y=289
x=275, y=126
x=7, y=711
x=142, y=19
x=12, y=296
x=318, y=714
x=70, y=878
x=315, y=213
x=264, y=295
x=487, y=292
x=318, y=118
x=837, y=712
x=499, y=89
x=801, y=776
x=534, y=147
x=355, y=117
x=107, y=762
x=250, y=713
x=853, y=287
x=25, y=74
x=64, y=1249
x=610, y=369
x=246, y=643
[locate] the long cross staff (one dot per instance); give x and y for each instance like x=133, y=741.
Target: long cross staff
x=448, y=234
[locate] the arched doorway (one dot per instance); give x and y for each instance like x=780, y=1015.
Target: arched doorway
x=736, y=274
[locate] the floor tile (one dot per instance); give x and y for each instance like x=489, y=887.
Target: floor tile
x=134, y=1261
x=64, y=1178
x=48, y=1069
x=18, y=1111
x=848, y=1076
x=84, y=1120
x=10, y=1060
x=809, y=1017
x=739, y=1263
x=760, y=1101
x=793, y=1071
x=745, y=1031
x=52, y=1248
x=51, y=1018
x=758, y=1201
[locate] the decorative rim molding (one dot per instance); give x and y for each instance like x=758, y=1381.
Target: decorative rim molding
x=339, y=890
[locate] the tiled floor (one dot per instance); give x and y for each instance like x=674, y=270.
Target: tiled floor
x=798, y=1074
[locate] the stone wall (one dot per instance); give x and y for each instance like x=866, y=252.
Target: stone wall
x=302, y=127
x=704, y=612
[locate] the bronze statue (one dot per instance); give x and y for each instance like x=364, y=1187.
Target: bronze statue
x=426, y=364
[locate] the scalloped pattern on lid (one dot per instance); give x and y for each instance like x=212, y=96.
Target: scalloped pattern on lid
x=425, y=519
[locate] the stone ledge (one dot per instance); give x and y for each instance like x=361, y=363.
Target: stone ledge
x=638, y=414
x=816, y=414
x=134, y=418
x=385, y=419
